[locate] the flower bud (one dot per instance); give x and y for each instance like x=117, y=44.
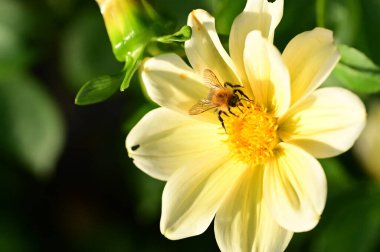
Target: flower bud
x=126, y=23
x=368, y=145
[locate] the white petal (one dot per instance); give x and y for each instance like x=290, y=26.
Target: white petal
x=172, y=84
x=258, y=15
x=204, y=49
x=267, y=74
x=326, y=123
x=268, y=15
x=295, y=188
x=194, y=193
x=310, y=57
x=244, y=222
x=163, y=141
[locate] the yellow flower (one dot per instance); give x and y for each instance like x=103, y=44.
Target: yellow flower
x=258, y=176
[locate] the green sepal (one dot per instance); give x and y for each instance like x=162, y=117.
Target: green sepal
x=99, y=89
x=132, y=63
x=356, y=71
x=178, y=37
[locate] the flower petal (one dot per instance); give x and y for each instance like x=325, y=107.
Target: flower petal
x=368, y=145
x=257, y=15
x=164, y=140
x=267, y=74
x=194, y=193
x=173, y=84
x=326, y=123
x=295, y=188
x=244, y=222
x=204, y=49
x=310, y=57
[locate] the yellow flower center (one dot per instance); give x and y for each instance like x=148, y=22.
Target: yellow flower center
x=252, y=133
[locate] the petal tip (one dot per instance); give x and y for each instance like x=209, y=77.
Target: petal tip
x=197, y=17
x=167, y=232
x=305, y=226
x=175, y=232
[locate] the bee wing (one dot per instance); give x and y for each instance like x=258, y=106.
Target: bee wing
x=202, y=106
x=210, y=79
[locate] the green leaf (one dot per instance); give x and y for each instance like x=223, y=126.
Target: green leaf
x=180, y=36
x=99, y=89
x=32, y=126
x=356, y=71
x=356, y=59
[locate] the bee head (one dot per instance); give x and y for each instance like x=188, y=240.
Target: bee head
x=234, y=101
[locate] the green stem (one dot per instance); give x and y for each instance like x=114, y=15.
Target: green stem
x=320, y=12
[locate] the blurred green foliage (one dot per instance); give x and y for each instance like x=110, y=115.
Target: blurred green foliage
x=66, y=183
x=32, y=123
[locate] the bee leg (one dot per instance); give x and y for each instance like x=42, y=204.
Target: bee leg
x=233, y=85
x=242, y=94
x=232, y=113
x=221, y=119
x=224, y=113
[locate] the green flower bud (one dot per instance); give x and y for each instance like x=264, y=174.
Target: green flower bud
x=127, y=25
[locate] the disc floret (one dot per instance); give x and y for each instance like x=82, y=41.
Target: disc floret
x=252, y=133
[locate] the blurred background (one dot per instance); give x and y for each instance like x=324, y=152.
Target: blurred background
x=66, y=182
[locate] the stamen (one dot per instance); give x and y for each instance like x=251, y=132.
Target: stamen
x=252, y=133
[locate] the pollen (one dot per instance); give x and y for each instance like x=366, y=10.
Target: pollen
x=183, y=76
x=252, y=133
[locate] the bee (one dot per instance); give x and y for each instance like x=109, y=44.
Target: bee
x=220, y=97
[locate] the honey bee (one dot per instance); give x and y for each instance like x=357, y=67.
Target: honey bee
x=220, y=97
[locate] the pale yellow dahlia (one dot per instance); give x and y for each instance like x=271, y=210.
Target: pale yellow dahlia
x=258, y=176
